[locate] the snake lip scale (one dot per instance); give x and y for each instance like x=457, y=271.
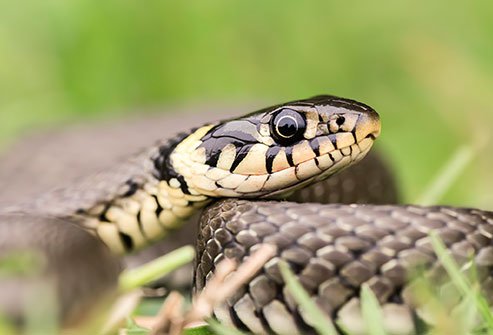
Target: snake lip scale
x=267, y=155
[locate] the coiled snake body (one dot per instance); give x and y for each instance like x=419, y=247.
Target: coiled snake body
x=269, y=154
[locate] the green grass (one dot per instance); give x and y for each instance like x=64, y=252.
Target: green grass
x=155, y=269
x=426, y=67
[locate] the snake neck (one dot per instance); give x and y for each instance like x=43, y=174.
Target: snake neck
x=152, y=205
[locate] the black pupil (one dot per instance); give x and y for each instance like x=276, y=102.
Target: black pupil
x=287, y=126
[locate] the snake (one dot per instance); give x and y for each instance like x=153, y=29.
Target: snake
x=242, y=170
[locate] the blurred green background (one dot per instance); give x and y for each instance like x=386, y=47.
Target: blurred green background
x=426, y=66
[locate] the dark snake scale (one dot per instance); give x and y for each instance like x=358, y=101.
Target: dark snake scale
x=334, y=249
x=234, y=169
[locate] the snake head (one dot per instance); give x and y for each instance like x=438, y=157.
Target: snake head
x=274, y=151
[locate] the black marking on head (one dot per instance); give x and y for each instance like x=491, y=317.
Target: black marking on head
x=289, y=155
x=102, y=216
x=127, y=242
x=141, y=226
x=333, y=139
x=164, y=168
x=214, y=146
x=159, y=209
x=315, y=145
x=133, y=186
x=340, y=120
x=270, y=156
x=240, y=129
x=241, y=153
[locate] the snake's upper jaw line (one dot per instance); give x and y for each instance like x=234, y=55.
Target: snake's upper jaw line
x=367, y=126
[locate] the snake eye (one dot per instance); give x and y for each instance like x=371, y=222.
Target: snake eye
x=287, y=126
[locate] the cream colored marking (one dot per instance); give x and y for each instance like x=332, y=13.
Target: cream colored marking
x=150, y=225
x=307, y=169
x=264, y=129
x=226, y=192
x=325, y=145
x=311, y=124
x=342, y=163
x=165, y=190
x=151, y=188
x=127, y=224
x=167, y=218
x=252, y=184
x=109, y=234
x=232, y=181
x=355, y=152
x=322, y=129
x=129, y=205
x=91, y=223
x=365, y=144
x=333, y=126
x=163, y=200
x=199, y=168
x=254, y=162
x=216, y=174
x=227, y=157
x=96, y=210
x=267, y=140
x=350, y=122
x=336, y=154
x=201, y=182
x=194, y=193
x=344, y=140
x=346, y=151
x=324, y=162
x=182, y=212
x=280, y=161
x=173, y=182
x=189, y=144
x=302, y=152
x=282, y=178
x=182, y=202
x=148, y=202
x=195, y=198
x=197, y=155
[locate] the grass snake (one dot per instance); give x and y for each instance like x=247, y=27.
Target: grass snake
x=269, y=154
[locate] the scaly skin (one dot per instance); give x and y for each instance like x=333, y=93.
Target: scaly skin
x=334, y=249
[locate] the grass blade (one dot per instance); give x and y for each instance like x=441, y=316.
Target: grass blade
x=155, y=269
x=460, y=280
x=220, y=329
x=321, y=322
x=372, y=313
x=447, y=175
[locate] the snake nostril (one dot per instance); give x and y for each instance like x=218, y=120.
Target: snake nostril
x=340, y=120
